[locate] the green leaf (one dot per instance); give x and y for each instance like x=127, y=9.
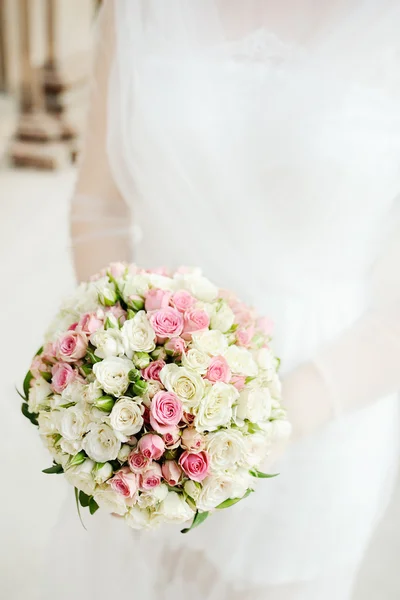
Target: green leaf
x=86, y=369
x=260, y=475
x=93, y=506
x=39, y=351
x=31, y=416
x=234, y=328
x=198, y=519
x=46, y=375
x=27, y=384
x=91, y=357
x=84, y=499
x=76, y=460
x=278, y=361
x=249, y=380
x=131, y=314
x=20, y=394
x=78, y=508
x=68, y=405
x=232, y=501
x=253, y=427
x=54, y=470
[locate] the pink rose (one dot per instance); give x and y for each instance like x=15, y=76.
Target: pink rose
x=172, y=438
x=195, y=320
x=124, y=482
x=151, y=446
x=195, y=466
x=49, y=352
x=171, y=472
x=165, y=412
x=156, y=299
x=239, y=382
x=175, y=347
x=192, y=440
x=167, y=322
x=118, y=312
x=117, y=269
x=72, y=346
x=182, y=300
x=164, y=271
x=218, y=370
x=244, y=336
x=89, y=323
x=73, y=326
x=244, y=316
x=137, y=462
x=61, y=376
x=151, y=477
x=38, y=367
x=188, y=418
x=152, y=372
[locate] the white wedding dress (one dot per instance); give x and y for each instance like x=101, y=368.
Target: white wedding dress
x=262, y=143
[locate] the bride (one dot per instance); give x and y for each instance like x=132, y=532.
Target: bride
x=256, y=137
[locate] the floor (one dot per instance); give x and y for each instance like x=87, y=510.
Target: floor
x=36, y=273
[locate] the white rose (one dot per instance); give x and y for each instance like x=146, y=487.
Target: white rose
x=151, y=498
x=73, y=422
x=124, y=453
x=91, y=392
x=139, y=518
x=102, y=472
x=225, y=448
x=265, y=359
x=81, y=477
x=256, y=448
x=39, y=395
x=222, y=317
x=106, y=291
x=138, y=335
x=126, y=416
x=174, y=509
x=136, y=285
x=185, y=383
x=216, y=489
x=56, y=401
x=241, y=481
x=281, y=430
x=60, y=324
x=215, y=410
x=73, y=392
x=192, y=489
x=162, y=282
x=110, y=501
x=112, y=374
x=275, y=386
x=85, y=299
x=254, y=405
x=48, y=423
x=71, y=447
x=101, y=444
x=108, y=343
x=240, y=361
x=212, y=342
x=200, y=287
x=197, y=360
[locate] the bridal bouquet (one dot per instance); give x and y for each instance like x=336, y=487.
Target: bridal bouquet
x=157, y=395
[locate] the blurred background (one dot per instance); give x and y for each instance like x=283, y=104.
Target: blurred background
x=45, y=57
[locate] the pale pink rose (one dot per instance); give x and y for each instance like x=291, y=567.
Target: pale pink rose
x=244, y=336
x=175, y=346
x=218, y=370
x=171, y=472
x=118, y=312
x=61, y=376
x=151, y=477
x=188, y=418
x=89, y=323
x=195, y=466
x=167, y=322
x=239, y=382
x=195, y=320
x=192, y=440
x=137, y=462
x=172, y=438
x=266, y=325
x=72, y=346
x=165, y=412
x=124, y=482
x=164, y=271
x=182, y=300
x=117, y=269
x=156, y=299
x=151, y=446
x=38, y=366
x=244, y=316
x=49, y=352
x=152, y=372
